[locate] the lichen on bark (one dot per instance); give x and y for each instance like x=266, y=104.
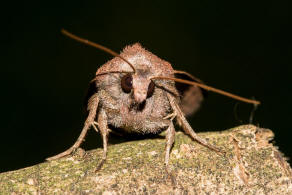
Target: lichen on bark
x=251, y=165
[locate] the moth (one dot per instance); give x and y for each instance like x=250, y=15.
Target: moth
x=136, y=92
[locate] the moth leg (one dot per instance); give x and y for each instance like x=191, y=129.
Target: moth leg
x=170, y=116
x=186, y=126
x=92, y=108
x=94, y=126
x=170, y=134
x=104, y=131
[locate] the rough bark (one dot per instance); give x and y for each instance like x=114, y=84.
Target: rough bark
x=252, y=165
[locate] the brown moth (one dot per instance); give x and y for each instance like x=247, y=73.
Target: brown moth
x=137, y=92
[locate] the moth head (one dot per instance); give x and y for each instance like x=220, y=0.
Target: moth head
x=138, y=85
x=142, y=87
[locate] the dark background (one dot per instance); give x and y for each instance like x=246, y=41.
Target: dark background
x=241, y=47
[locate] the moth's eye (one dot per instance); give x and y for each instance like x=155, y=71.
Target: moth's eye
x=126, y=83
x=150, y=89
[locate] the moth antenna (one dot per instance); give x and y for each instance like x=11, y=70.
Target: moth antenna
x=108, y=72
x=252, y=113
x=96, y=45
x=219, y=91
x=188, y=74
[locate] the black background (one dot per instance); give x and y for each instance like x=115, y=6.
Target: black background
x=242, y=47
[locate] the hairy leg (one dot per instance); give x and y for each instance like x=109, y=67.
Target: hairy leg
x=186, y=126
x=92, y=108
x=103, y=127
x=170, y=135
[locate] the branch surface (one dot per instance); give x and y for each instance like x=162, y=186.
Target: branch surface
x=252, y=165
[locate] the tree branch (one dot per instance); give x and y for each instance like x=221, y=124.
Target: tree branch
x=251, y=165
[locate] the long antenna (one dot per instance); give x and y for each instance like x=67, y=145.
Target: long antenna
x=96, y=45
x=188, y=74
x=210, y=89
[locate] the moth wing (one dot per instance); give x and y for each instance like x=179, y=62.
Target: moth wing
x=191, y=96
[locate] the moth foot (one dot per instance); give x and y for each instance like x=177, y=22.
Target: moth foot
x=171, y=177
x=99, y=166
